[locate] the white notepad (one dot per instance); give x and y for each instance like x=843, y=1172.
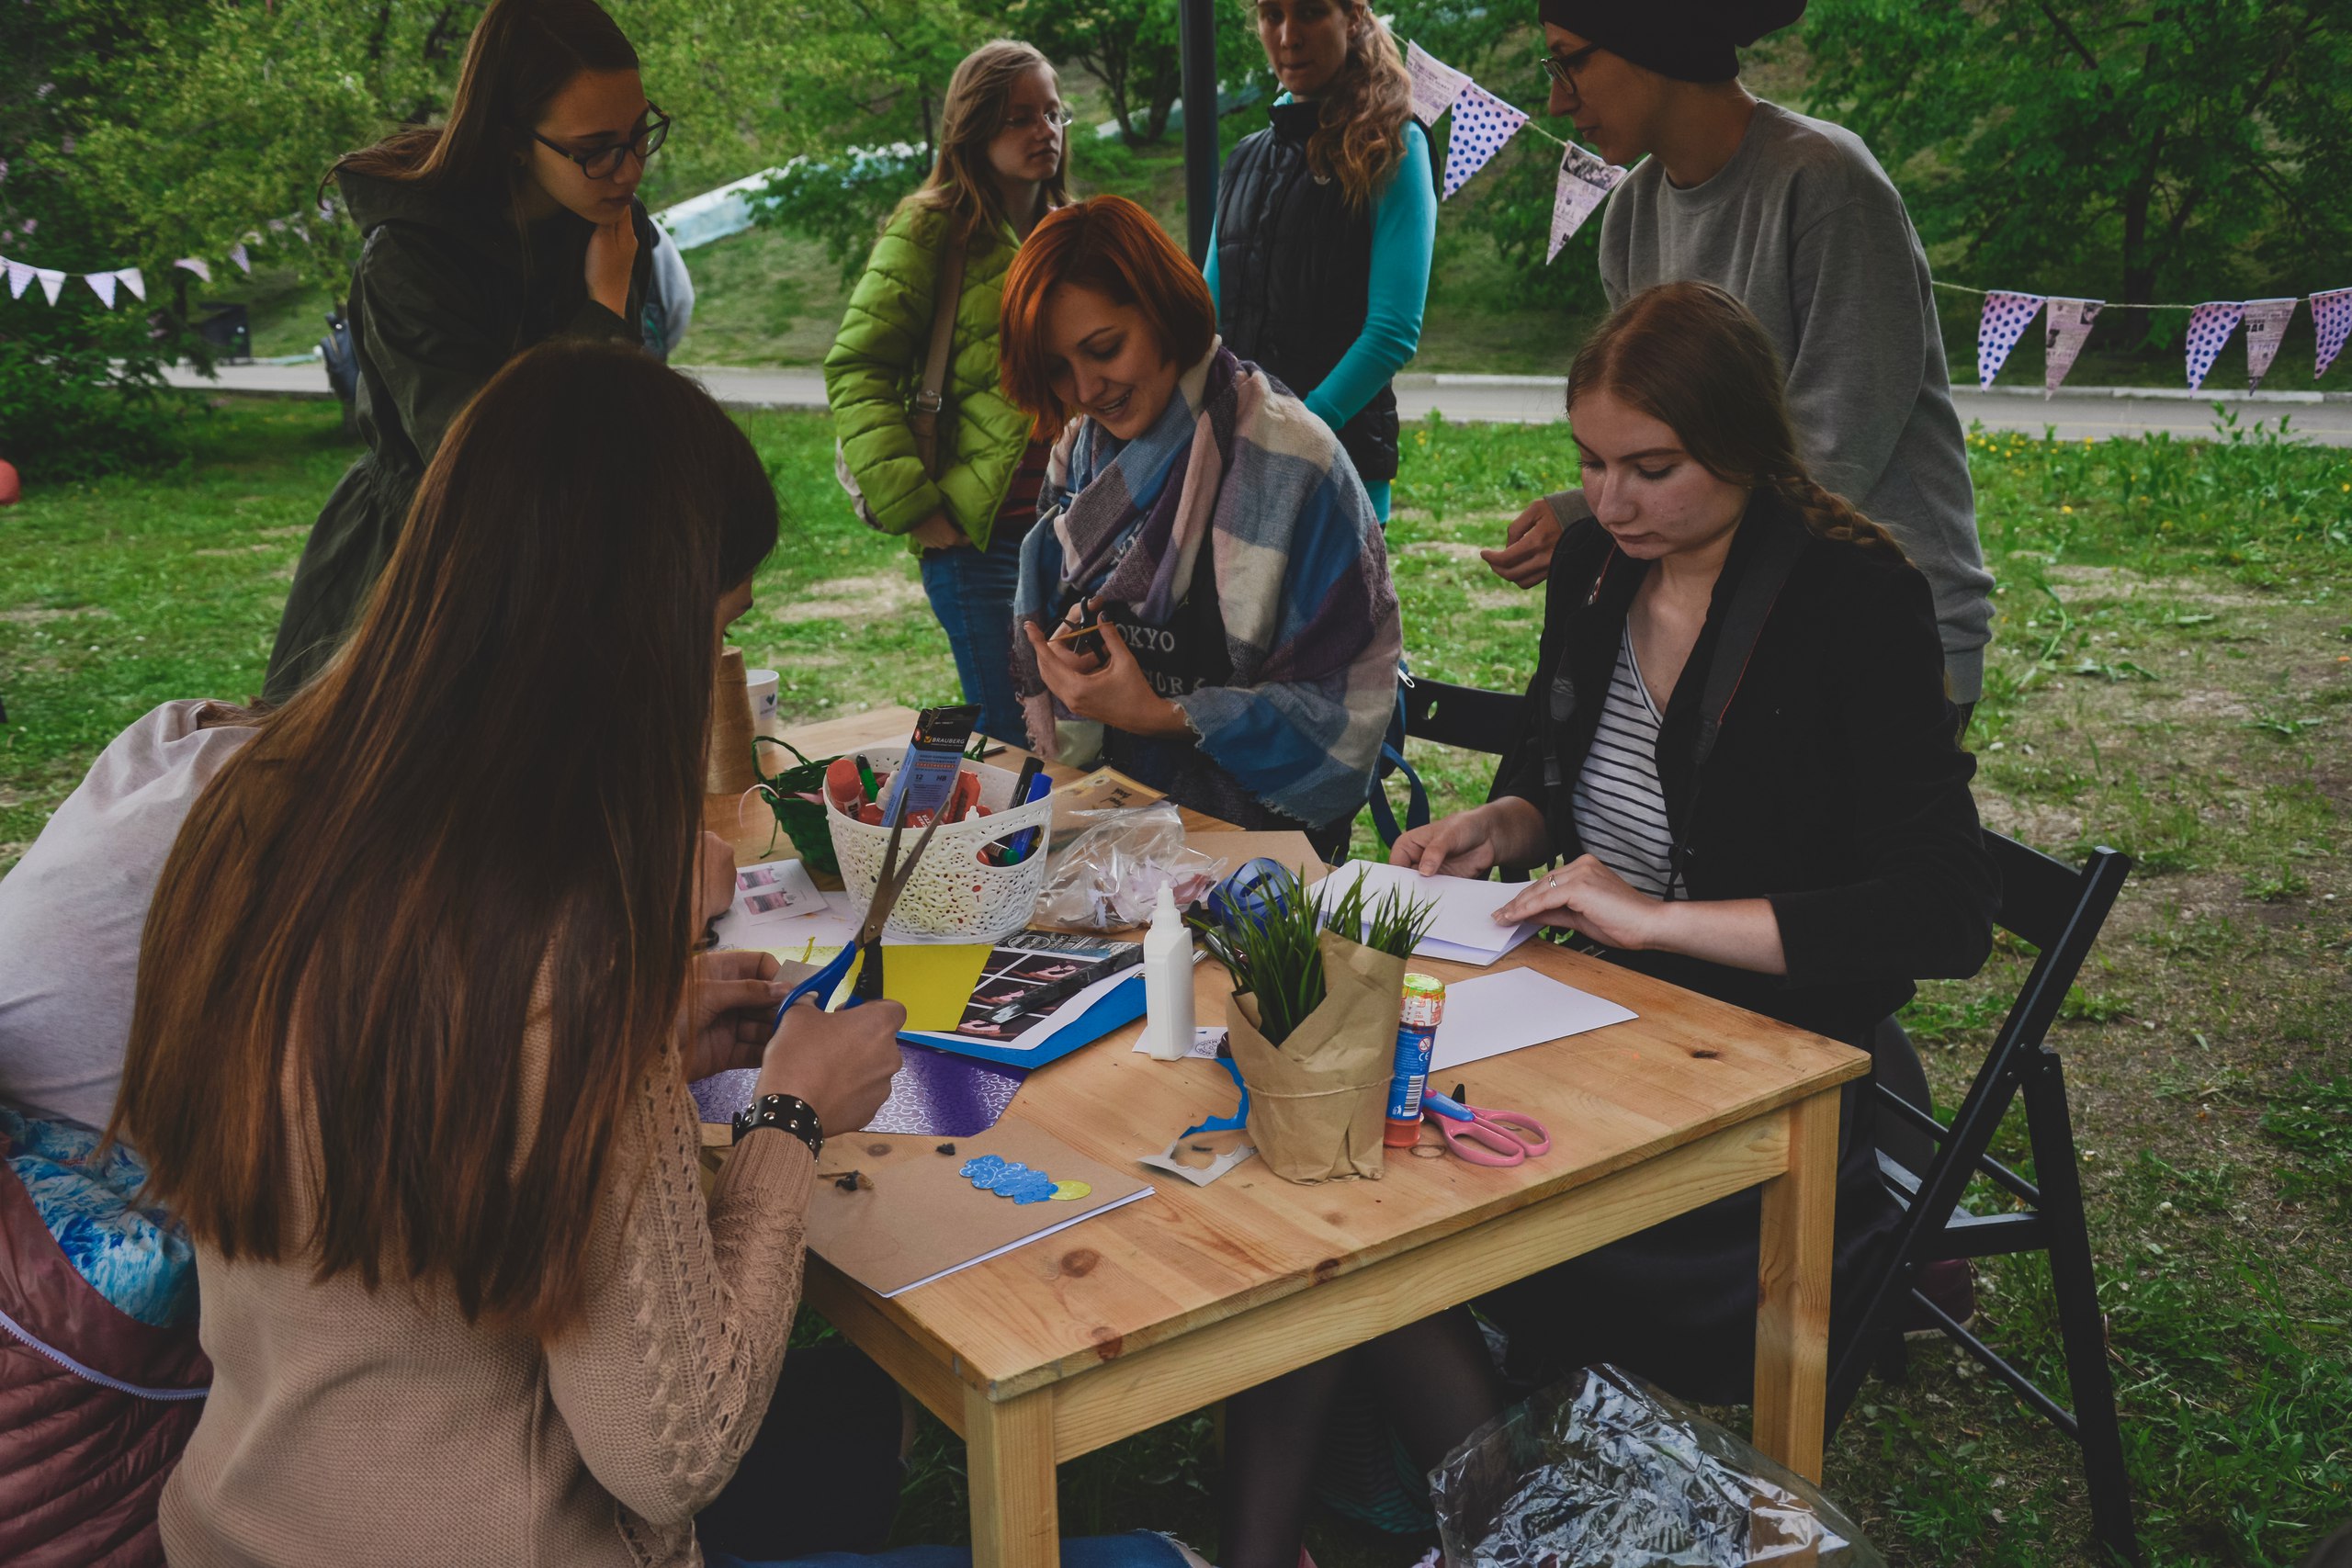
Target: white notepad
x=1464, y=932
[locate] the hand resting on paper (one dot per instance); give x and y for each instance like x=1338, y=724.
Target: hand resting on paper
x=1509, y=831
x=840, y=1063
x=1110, y=688
x=1741, y=933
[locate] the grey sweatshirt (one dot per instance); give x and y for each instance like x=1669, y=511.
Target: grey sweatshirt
x=1807, y=229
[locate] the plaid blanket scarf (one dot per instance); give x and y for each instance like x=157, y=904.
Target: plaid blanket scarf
x=1236, y=466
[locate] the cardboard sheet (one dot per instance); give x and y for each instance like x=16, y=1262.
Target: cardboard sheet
x=912, y=1217
x=1512, y=1010
x=1465, y=930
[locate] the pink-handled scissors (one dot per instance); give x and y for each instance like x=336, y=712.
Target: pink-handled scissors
x=1485, y=1137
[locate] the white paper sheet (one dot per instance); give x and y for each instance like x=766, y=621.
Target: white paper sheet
x=1206, y=1042
x=1512, y=1010
x=1464, y=932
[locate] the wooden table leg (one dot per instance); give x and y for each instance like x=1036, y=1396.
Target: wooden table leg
x=1008, y=1455
x=1792, y=1289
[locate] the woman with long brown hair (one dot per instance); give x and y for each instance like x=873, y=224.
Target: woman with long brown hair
x=1325, y=224
x=514, y=222
x=417, y=1008
x=967, y=504
x=1818, y=859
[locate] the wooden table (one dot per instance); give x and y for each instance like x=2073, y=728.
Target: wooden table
x=1154, y=1310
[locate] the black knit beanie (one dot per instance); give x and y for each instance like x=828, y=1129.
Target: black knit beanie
x=1690, y=41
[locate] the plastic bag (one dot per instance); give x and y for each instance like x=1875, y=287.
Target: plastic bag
x=1604, y=1472
x=1111, y=875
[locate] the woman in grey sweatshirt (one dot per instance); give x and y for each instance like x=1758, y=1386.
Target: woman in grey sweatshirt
x=1793, y=217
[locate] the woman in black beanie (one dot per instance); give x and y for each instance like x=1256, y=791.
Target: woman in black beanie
x=1792, y=217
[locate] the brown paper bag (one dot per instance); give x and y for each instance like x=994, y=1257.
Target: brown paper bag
x=1318, y=1100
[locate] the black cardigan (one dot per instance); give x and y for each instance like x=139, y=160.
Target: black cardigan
x=1837, y=789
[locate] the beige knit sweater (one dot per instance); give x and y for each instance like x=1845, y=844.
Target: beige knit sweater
x=353, y=1428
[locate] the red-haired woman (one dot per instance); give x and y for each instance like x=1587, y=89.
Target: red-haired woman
x=1824, y=857
x=515, y=221
x=1202, y=514
x=1325, y=224
x=414, y=1074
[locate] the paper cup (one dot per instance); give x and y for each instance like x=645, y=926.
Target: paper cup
x=759, y=685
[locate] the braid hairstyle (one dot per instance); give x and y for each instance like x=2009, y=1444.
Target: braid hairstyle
x=1692, y=356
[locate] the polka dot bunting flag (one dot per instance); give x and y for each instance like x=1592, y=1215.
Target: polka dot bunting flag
x=1482, y=123
x=2332, y=314
x=2006, y=318
x=2210, y=326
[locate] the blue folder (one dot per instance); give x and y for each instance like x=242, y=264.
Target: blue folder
x=1119, y=1006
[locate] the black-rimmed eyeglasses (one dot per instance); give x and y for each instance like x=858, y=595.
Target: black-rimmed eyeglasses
x=1563, y=68
x=604, y=162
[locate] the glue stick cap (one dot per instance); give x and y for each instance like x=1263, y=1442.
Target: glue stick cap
x=1165, y=918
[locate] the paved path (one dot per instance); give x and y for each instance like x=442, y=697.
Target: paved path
x=2095, y=411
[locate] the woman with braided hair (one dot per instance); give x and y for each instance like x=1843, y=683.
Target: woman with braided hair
x=1823, y=857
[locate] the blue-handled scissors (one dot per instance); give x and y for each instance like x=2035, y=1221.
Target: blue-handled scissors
x=891, y=882
x=1485, y=1137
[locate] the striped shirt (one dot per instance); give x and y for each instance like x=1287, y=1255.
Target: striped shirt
x=1619, y=806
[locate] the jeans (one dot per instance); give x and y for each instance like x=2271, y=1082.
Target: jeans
x=971, y=593
x=1136, y=1549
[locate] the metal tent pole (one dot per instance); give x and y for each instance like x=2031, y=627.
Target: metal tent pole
x=1196, y=33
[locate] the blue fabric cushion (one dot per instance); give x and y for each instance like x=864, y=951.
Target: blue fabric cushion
x=137, y=1258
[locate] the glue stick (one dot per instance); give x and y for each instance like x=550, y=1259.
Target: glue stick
x=1423, y=1005
x=1168, y=982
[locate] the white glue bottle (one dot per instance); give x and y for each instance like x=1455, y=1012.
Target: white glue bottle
x=1168, y=982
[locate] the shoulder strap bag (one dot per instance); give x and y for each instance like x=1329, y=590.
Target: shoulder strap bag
x=922, y=413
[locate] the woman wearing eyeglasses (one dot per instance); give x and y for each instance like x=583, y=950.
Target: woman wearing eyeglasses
x=966, y=505
x=515, y=221
x=1325, y=224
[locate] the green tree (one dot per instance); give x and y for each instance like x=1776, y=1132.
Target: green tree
x=2118, y=149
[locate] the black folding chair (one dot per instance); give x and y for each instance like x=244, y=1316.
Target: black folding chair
x=1467, y=717
x=2059, y=910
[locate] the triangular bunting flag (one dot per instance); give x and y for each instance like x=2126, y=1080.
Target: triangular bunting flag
x=102, y=284
x=2332, y=314
x=196, y=266
x=237, y=253
x=2006, y=318
x=2210, y=326
x=1435, y=83
x=2266, y=329
x=1585, y=181
x=20, y=278
x=1482, y=123
x=132, y=280
x=2069, y=327
x=52, y=282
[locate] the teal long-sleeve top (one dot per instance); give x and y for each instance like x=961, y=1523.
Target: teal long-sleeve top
x=1404, y=233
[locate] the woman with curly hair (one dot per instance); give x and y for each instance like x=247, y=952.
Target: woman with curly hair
x=1325, y=221
x=1822, y=856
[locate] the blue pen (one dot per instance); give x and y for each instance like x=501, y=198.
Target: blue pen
x=1025, y=840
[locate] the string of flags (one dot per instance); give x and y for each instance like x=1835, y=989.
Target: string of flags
x=1483, y=123
x=2007, y=314
x=109, y=283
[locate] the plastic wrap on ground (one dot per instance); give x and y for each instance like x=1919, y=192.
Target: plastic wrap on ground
x=1602, y=1470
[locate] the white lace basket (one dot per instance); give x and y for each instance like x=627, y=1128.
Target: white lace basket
x=953, y=893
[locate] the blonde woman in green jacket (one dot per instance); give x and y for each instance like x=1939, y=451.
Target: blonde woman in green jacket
x=1001, y=168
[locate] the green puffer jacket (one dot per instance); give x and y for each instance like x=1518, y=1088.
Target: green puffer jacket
x=875, y=365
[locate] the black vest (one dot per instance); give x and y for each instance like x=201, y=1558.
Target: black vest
x=1294, y=274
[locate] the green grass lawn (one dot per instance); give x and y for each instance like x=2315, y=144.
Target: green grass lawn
x=2172, y=674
